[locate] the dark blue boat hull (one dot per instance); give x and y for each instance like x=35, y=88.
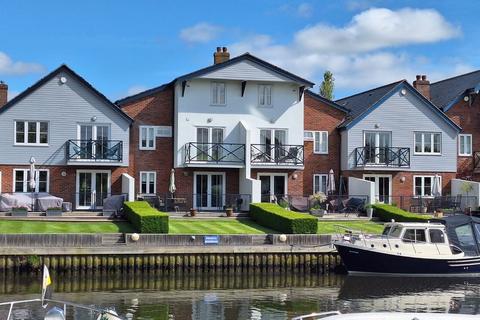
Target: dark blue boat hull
x=361, y=261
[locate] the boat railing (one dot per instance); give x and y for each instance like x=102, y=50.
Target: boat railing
x=315, y=316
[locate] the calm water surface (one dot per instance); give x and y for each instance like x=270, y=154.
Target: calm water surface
x=242, y=296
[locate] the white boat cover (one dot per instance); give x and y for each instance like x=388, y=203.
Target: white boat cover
x=389, y=316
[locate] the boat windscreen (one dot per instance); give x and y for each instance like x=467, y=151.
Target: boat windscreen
x=466, y=239
x=395, y=231
x=386, y=231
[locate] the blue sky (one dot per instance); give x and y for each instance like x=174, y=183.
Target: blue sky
x=123, y=47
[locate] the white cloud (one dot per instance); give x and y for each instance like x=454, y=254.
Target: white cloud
x=200, y=33
x=135, y=89
x=10, y=67
x=363, y=53
x=305, y=10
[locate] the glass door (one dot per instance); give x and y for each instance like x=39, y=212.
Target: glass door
x=377, y=146
x=266, y=145
x=94, y=141
x=86, y=145
x=92, y=188
x=217, y=140
x=382, y=187
x=280, y=141
x=202, y=144
x=265, y=188
x=102, y=139
x=273, y=187
x=209, y=189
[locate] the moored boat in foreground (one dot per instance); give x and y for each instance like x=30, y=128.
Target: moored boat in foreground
x=335, y=315
x=443, y=247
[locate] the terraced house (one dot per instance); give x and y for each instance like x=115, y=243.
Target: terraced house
x=77, y=139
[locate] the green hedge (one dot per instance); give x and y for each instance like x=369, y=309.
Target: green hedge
x=273, y=216
x=145, y=218
x=388, y=212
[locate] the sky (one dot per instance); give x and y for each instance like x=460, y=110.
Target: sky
x=125, y=47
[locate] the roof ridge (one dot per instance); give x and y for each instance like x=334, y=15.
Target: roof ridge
x=326, y=100
x=366, y=91
x=457, y=76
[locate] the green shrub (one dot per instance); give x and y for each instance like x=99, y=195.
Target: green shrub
x=388, y=212
x=273, y=216
x=145, y=218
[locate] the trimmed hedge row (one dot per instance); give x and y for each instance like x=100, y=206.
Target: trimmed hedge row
x=273, y=216
x=388, y=212
x=145, y=218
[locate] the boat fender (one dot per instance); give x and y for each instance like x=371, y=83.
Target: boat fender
x=55, y=314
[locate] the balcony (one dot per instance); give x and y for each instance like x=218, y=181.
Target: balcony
x=476, y=161
x=391, y=157
x=208, y=154
x=94, y=151
x=276, y=155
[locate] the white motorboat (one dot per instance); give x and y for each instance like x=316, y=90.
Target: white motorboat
x=55, y=312
x=336, y=315
x=443, y=247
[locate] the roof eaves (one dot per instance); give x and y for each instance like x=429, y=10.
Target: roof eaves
x=329, y=102
x=142, y=94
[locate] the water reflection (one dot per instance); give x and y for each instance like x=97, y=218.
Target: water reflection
x=244, y=296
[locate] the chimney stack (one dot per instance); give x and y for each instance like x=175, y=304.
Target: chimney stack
x=221, y=55
x=3, y=93
x=422, y=85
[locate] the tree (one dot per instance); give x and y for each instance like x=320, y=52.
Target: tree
x=327, y=86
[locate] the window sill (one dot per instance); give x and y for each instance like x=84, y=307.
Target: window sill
x=30, y=145
x=321, y=153
x=426, y=154
x=147, y=149
x=465, y=155
x=265, y=106
x=218, y=105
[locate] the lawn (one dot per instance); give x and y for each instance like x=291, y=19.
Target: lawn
x=329, y=227
x=17, y=226
x=216, y=226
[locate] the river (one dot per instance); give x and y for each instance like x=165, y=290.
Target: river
x=160, y=295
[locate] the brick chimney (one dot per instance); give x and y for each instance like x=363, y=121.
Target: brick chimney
x=422, y=85
x=221, y=55
x=3, y=93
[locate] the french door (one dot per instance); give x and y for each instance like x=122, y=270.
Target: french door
x=208, y=140
x=383, y=187
x=272, y=186
x=209, y=190
x=94, y=140
x=272, y=142
x=377, y=144
x=93, y=186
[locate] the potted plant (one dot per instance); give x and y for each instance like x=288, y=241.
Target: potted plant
x=54, y=211
x=438, y=213
x=369, y=209
x=193, y=212
x=316, y=201
x=229, y=210
x=19, y=211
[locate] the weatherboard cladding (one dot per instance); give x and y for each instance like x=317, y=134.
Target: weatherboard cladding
x=63, y=106
x=402, y=115
x=446, y=92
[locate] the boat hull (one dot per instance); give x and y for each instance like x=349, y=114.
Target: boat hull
x=358, y=260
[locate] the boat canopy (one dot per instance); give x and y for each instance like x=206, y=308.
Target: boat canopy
x=464, y=232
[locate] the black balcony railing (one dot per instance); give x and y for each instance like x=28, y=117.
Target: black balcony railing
x=382, y=157
x=95, y=150
x=214, y=152
x=276, y=154
x=476, y=161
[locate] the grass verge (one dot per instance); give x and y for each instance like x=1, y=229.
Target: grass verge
x=17, y=226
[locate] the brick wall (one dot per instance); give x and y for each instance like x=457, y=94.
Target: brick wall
x=321, y=117
x=157, y=110
x=468, y=118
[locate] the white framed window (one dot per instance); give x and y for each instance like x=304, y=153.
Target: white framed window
x=423, y=185
x=320, y=142
x=428, y=143
x=464, y=144
x=219, y=96
x=21, y=180
x=308, y=136
x=31, y=133
x=147, y=138
x=320, y=183
x=265, y=95
x=148, y=182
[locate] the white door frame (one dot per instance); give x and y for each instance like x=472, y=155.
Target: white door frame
x=377, y=191
x=77, y=187
x=272, y=187
x=209, y=188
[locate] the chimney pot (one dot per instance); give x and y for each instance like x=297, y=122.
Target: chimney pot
x=219, y=49
x=418, y=77
x=424, y=77
x=225, y=49
x=3, y=93
x=422, y=85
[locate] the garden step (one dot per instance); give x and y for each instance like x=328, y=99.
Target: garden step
x=109, y=239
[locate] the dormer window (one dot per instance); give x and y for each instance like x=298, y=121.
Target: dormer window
x=265, y=95
x=218, y=94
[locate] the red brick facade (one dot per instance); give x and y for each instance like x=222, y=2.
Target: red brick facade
x=467, y=115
